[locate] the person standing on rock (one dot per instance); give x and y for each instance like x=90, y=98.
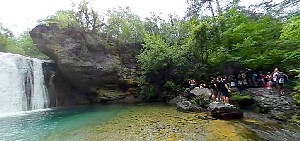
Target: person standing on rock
x=267, y=80
x=214, y=89
x=223, y=90
x=282, y=78
x=192, y=83
x=275, y=78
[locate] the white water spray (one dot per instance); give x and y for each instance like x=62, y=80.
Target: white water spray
x=22, y=85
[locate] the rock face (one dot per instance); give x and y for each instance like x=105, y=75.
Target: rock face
x=270, y=102
x=60, y=90
x=222, y=111
x=87, y=61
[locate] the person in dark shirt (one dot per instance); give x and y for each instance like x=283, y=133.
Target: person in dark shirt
x=213, y=89
x=223, y=90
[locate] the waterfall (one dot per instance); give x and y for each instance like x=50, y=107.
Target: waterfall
x=22, y=85
x=39, y=98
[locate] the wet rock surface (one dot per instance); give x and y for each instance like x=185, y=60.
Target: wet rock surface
x=222, y=111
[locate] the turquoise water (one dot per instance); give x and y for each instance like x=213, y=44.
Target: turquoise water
x=37, y=125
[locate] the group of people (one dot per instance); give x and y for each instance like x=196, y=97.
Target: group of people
x=275, y=79
x=221, y=87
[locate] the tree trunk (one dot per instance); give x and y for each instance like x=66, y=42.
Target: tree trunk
x=219, y=8
x=211, y=9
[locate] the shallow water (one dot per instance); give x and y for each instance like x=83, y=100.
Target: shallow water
x=40, y=124
x=135, y=122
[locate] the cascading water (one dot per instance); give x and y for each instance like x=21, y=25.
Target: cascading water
x=39, y=99
x=22, y=85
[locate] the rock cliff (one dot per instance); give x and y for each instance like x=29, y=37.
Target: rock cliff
x=92, y=64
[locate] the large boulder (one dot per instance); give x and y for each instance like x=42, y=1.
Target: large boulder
x=186, y=107
x=176, y=100
x=223, y=111
x=272, y=103
x=88, y=61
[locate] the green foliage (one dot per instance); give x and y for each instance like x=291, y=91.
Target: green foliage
x=157, y=54
x=22, y=45
x=125, y=26
x=26, y=44
x=291, y=30
x=238, y=98
x=63, y=18
x=199, y=100
x=296, y=85
x=8, y=42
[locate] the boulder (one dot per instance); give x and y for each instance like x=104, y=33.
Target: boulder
x=186, y=107
x=222, y=111
x=177, y=99
x=203, y=92
x=270, y=102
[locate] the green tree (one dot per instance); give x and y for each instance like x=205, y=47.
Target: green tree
x=25, y=42
x=124, y=26
x=160, y=64
x=8, y=42
x=63, y=18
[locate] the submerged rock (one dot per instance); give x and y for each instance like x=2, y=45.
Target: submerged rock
x=222, y=111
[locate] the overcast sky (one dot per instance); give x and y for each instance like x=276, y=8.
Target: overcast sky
x=19, y=15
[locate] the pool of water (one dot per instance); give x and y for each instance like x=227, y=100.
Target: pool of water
x=133, y=123
x=36, y=125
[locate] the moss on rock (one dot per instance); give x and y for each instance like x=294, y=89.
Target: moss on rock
x=109, y=95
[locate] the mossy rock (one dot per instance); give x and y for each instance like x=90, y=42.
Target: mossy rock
x=297, y=98
x=284, y=116
x=238, y=98
x=295, y=119
x=130, y=81
x=109, y=95
x=243, y=101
